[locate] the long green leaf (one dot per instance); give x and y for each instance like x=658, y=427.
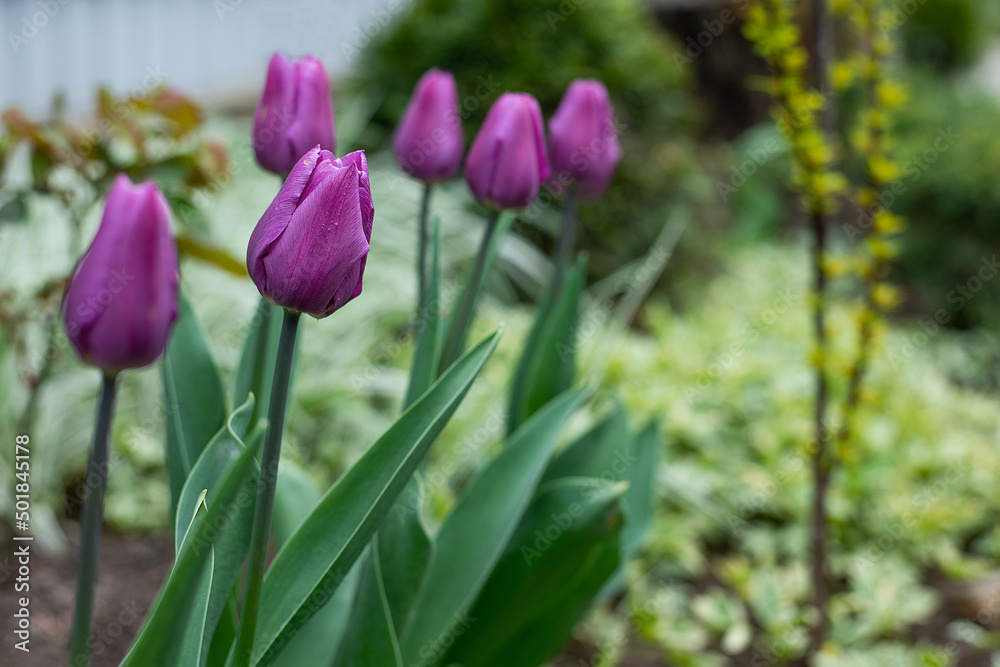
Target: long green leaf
x=318, y=641
x=371, y=638
x=159, y=644
x=222, y=450
x=196, y=401
x=641, y=477
x=316, y=559
x=192, y=637
x=547, y=366
x=459, y=321
x=427, y=354
x=565, y=547
x=475, y=534
x=605, y=451
x=231, y=548
x=395, y=564
x=256, y=368
x=393, y=570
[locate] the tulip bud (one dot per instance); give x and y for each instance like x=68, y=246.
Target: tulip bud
x=121, y=300
x=583, y=142
x=294, y=114
x=428, y=141
x=309, y=250
x=507, y=161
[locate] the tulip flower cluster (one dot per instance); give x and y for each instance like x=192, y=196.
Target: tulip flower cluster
x=309, y=250
x=294, y=114
x=122, y=298
x=307, y=254
x=510, y=159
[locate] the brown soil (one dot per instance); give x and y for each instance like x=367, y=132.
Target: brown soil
x=133, y=567
x=131, y=570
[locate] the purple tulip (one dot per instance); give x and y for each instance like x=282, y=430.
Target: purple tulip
x=309, y=250
x=428, y=141
x=294, y=114
x=121, y=300
x=507, y=161
x=583, y=142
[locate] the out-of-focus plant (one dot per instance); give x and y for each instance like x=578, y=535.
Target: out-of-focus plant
x=872, y=237
x=153, y=135
x=429, y=146
x=801, y=87
x=120, y=305
x=944, y=34
x=730, y=511
x=358, y=579
x=537, y=46
x=949, y=156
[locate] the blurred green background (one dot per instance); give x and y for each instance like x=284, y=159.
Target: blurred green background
x=719, y=348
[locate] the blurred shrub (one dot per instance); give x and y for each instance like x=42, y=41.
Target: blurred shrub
x=916, y=496
x=539, y=46
x=950, y=150
x=944, y=34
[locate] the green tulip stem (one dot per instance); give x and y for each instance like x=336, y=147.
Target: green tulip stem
x=564, y=244
x=425, y=204
x=90, y=537
x=260, y=536
x=462, y=316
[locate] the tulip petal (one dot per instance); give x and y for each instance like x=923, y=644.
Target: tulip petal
x=313, y=122
x=583, y=139
x=508, y=159
x=277, y=216
x=122, y=299
x=428, y=141
x=322, y=245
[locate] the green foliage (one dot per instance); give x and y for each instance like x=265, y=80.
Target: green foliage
x=951, y=157
x=563, y=551
x=174, y=628
x=197, y=403
x=918, y=495
x=944, y=34
x=548, y=365
x=314, y=562
x=539, y=46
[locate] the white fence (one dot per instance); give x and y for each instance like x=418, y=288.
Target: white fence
x=214, y=49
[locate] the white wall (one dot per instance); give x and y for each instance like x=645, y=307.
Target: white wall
x=213, y=49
